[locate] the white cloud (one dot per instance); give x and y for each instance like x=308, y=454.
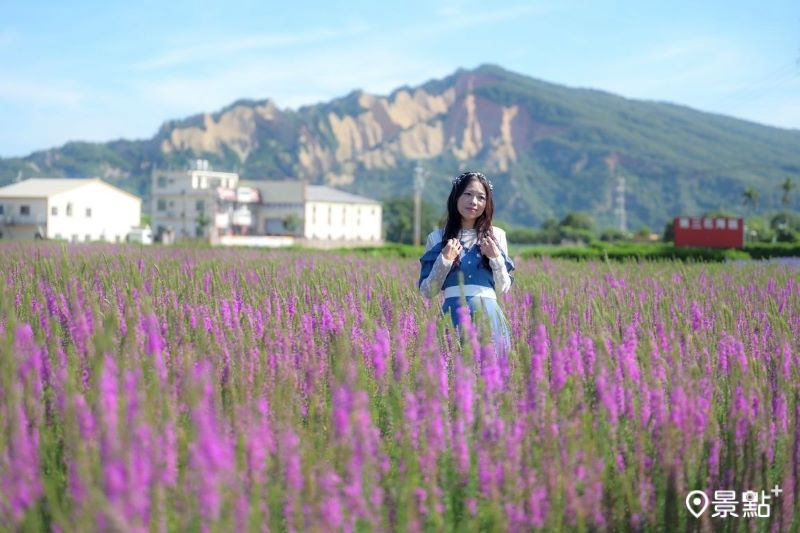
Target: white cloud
x=709, y=74
x=221, y=49
x=28, y=92
x=454, y=16
x=675, y=70
x=291, y=80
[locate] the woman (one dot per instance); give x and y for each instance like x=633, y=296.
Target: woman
x=470, y=251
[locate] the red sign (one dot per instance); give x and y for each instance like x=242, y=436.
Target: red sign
x=713, y=232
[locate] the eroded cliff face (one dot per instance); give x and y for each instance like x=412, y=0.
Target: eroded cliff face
x=235, y=128
x=411, y=124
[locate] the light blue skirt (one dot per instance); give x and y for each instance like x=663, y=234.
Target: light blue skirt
x=487, y=309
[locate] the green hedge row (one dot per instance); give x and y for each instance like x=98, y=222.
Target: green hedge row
x=767, y=251
x=648, y=252
x=613, y=251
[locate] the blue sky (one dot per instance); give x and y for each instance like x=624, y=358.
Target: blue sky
x=96, y=71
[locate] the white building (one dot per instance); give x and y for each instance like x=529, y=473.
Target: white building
x=332, y=214
x=321, y=215
x=281, y=209
x=203, y=203
x=193, y=203
x=76, y=210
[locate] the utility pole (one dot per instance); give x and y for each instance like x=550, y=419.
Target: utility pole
x=420, y=173
x=612, y=161
x=623, y=224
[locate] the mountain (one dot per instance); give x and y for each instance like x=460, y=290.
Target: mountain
x=549, y=149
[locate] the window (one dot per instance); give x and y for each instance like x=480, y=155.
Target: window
x=162, y=182
x=344, y=215
x=54, y=210
x=161, y=205
x=200, y=206
x=25, y=210
x=330, y=213
x=69, y=212
x=683, y=223
x=88, y=212
x=720, y=223
x=1, y=209
x=733, y=223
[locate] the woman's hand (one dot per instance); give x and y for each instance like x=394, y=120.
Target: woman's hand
x=452, y=249
x=489, y=248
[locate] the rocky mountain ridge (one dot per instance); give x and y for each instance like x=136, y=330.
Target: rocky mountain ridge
x=550, y=149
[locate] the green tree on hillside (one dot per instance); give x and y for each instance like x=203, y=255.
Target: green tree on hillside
x=669, y=232
x=787, y=187
x=578, y=220
x=292, y=223
x=202, y=221
x=786, y=227
x=577, y=226
x=750, y=198
x=398, y=219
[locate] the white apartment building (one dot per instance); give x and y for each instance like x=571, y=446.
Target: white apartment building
x=198, y=202
x=203, y=203
x=77, y=210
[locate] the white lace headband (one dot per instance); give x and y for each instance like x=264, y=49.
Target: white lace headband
x=469, y=175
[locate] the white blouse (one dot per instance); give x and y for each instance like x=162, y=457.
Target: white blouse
x=431, y=285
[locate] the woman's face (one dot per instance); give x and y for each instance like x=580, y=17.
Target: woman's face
x=471, y=203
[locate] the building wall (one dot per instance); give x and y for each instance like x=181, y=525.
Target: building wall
x=94, y=212
x=270, y=217
x=180, y=212
x=343, y=221
x=179, y=198
x=173, y=182
x=279, y=200
x=19, y=226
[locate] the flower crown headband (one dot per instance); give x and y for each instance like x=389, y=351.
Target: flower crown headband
x=469, y=175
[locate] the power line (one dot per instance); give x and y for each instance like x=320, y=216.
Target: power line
x=760, y=88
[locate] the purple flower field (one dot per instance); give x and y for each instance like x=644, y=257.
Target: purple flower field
x=222, y=390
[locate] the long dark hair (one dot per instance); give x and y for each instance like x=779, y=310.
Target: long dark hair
x=483, y=224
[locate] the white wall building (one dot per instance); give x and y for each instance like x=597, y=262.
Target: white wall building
x=332, y=214
x=281, y=209
x=321, y=215
x=77, y=210
x=186, y=202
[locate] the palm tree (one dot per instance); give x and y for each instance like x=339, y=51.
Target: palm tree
x=787, y=187
x=750, y=198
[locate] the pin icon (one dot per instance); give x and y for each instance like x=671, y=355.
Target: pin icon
x=697, y=502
